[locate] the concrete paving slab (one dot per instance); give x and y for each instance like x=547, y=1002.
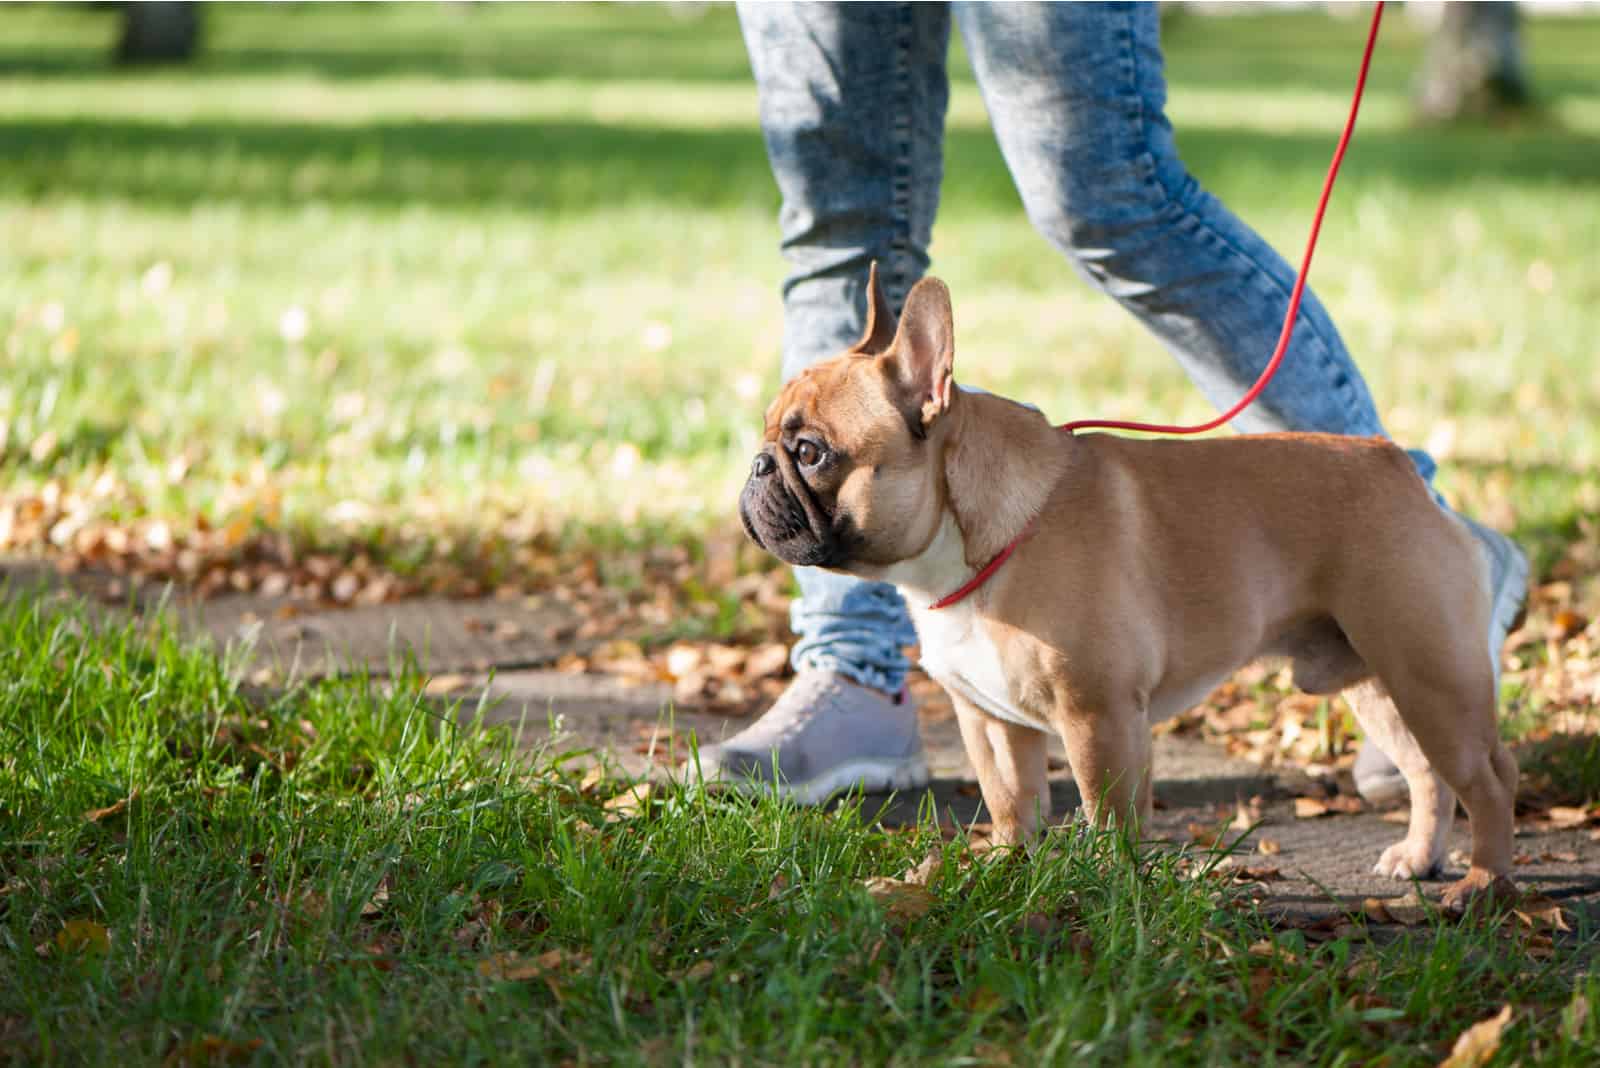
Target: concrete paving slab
x=588, y=712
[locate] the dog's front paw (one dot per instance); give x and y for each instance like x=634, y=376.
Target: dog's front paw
x=1407, y=860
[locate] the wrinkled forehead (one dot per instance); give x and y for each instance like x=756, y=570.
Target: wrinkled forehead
x=828, y=397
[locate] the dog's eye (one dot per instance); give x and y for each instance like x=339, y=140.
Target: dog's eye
x=806, y=453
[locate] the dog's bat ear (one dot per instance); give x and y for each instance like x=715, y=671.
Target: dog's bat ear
x=879, y=332
x=921, y=359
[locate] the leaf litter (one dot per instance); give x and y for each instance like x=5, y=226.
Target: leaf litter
x=910, y=896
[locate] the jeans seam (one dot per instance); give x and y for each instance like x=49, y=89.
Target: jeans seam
x=1183, y=214
x=896, y=283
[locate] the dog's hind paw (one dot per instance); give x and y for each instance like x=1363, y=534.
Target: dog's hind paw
x=1479, y=886
x=1405, y=861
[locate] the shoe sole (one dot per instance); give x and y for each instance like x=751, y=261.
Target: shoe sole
x=868, y=776
x=1383, y=790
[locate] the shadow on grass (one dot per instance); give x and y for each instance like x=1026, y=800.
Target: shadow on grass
x=597, y=42
x=578, y=165
x=339, y=42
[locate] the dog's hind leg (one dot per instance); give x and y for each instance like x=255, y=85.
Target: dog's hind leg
x=1433, y=803
x=1443, y=687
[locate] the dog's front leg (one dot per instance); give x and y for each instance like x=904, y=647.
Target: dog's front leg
x=1011, y=765
x=1109, y=752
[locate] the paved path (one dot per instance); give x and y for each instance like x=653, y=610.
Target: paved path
x=507, y=649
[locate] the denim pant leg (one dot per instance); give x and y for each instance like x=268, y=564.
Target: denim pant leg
x=853, y=103
x=1077, y=97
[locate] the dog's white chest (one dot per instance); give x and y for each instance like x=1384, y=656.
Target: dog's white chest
x=956, y=651
x=961, y=657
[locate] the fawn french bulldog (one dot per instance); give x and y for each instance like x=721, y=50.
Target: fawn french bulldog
x=1148, y=571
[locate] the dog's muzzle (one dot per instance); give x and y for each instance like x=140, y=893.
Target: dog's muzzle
x=782, y=516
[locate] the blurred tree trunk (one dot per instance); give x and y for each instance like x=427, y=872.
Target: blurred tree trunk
x=1474, y=64
x=159, y=32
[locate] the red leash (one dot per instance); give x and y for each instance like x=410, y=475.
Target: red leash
x=1277, y=356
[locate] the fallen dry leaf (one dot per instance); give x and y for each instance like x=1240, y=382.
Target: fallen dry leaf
x=682, y=659
x=210, y=1049
x=1541, y=912
x=1478, y=1043
x=699, y=970
x=1204, y=835
x=513, y=967
x=375, y=904
x=510, y=967
x=1270, y=949
x=1362, y=970
x=1326, y=928
x=993, y=1053
x=1538, y=946
x=900, y=900
x=622, y=657
x=1409, y=910
x=1366, y=1001
x=77, y=936
x=469, y=934
x=767, y=660
x=1309, y=808
x=592, y=778
x=1247, y=814
x=441, y=685
x=631, y=802
x=1269, y=847
x=725, y=659
x=95, y=815
x=926, y=871
x=1563, y=817
x=1565, y=624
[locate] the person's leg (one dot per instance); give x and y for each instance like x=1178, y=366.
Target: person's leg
x=1076, y=93
x=1077, y=96
x=852, y=111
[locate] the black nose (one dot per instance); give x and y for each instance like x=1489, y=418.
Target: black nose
x=763, y=466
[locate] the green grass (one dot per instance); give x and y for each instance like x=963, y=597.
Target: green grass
x=237, y=896
x=534, y=253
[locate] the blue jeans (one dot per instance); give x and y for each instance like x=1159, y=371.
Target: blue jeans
x=853, y=101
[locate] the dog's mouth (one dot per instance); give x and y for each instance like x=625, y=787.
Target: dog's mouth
x=782, y=515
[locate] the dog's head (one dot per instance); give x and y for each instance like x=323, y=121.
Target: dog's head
x=850, y=472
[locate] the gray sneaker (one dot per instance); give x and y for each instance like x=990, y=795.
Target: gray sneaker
x=1377, y=778
x=825, y=735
